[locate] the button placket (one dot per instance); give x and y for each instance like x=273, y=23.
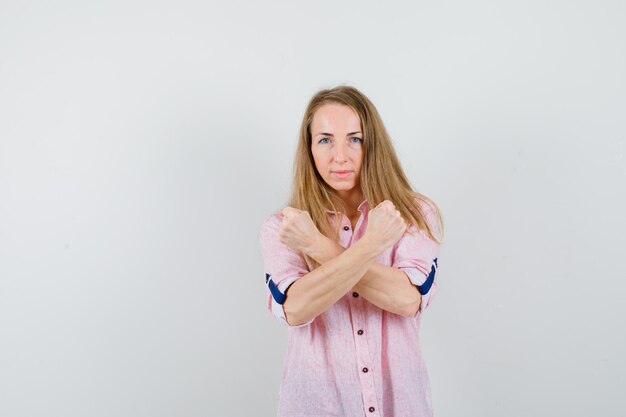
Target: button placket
x=346, y=238
x=356, y=304
x=356, y=227
x=363, y=358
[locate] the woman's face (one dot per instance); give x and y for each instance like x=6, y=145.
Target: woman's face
x=337, y=146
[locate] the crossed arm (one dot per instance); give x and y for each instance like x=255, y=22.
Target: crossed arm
x=384, y=286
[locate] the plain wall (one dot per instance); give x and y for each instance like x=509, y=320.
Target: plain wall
x=143, y=143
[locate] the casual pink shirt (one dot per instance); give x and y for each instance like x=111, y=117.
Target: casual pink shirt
x=354, y=359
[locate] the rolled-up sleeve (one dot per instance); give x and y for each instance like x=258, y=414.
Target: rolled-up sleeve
x=282, y=265
x=417, y=255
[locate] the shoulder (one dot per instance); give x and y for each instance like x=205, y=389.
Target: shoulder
x=271, y=224
x=430, y=212
x=425, y=204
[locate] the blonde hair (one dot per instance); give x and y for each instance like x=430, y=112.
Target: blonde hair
x=381, y=177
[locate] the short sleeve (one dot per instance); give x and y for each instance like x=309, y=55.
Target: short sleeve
x=417, y=256
x=282, y=265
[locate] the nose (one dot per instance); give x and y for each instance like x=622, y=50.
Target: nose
x=340, y=155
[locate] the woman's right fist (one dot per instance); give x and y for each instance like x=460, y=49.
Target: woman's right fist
x=385, y=226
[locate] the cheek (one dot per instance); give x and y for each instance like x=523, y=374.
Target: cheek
x=322, y=168
x=318, y=164
x=359, y=159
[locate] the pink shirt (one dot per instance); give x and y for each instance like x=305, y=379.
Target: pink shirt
x=354, y=359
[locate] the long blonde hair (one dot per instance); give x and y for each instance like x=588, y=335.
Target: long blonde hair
x=381, y=177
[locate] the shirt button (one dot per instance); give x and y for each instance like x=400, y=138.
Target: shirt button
x=355, y=294
x=365, y=370
x=346, y=228
x=372, y=409
x=360, y=331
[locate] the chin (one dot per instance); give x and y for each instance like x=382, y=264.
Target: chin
x=342, y=186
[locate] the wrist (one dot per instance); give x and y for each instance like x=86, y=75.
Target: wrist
x=324, y=249
x=315, y=245
x=369, y=248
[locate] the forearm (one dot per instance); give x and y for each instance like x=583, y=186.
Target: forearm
x=390, y=289
x=386, y=287
x=316, y=291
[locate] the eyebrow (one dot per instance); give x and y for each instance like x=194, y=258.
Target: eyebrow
x=330, y=134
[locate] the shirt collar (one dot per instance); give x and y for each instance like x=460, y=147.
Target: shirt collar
x=363, y=208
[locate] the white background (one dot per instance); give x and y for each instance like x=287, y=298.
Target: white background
x=143, y=143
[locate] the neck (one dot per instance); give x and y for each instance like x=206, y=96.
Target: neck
x=351, y=199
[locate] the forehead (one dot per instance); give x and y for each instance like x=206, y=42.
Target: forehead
x=335, y=117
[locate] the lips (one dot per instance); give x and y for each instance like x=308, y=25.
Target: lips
x=341, y=174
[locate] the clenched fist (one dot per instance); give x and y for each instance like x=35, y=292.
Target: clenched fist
x=385, y=226
x=297, y=230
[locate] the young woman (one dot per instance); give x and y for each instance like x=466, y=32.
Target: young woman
x=350, y=267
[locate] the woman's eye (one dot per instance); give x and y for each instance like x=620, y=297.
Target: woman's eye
x=359, y=140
